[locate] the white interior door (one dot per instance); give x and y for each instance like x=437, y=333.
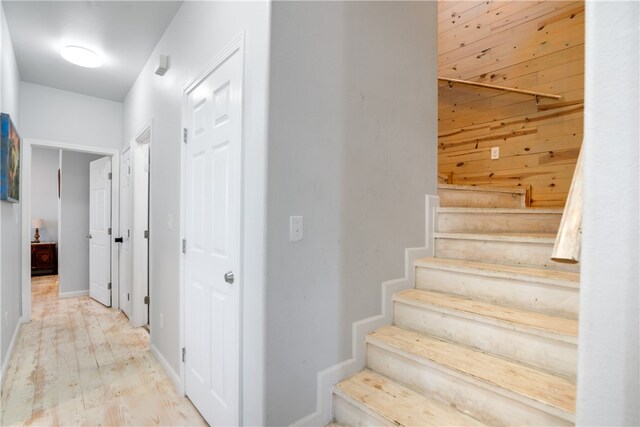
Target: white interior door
x=99, y=230
x=212, y=232
x=125, y=233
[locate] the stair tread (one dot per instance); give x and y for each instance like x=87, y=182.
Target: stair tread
x=458, y=264
x=541, y=386
x=514, y=190
x=518, y=211
x=399, y=404
x=543, y=322
x=504, y=237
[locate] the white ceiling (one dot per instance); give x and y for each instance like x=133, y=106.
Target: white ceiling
x=123, y=32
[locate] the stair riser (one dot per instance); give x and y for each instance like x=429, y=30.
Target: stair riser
x=480, y=199
x=477, y=222
x=542, y=298
x=543, y=352
x=347, y=414
x=481, y=400
x=501, y=252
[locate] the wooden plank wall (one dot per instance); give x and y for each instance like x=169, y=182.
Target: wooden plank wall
x=532, y=45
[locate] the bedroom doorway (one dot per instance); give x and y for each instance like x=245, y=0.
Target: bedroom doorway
x=56, y=227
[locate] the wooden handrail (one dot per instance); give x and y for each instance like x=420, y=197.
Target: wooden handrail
x=507, y=89
x=568, y=240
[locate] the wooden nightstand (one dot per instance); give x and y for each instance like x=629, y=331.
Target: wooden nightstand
x=44, y=258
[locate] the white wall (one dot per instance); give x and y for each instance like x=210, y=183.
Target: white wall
x=199, y=31
x=62, y=116
x=44, y=191
x=352, y=148
x=608, y=361
x=73, y=250
x=10, y=255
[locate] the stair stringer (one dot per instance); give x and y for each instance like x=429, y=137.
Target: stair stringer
x=329, y=377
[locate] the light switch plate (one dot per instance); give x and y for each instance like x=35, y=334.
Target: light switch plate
x=295, y=228
x=495, y=153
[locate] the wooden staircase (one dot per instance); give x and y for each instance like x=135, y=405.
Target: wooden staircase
x=488, y=336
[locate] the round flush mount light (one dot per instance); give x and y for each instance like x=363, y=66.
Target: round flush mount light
x=81, y=56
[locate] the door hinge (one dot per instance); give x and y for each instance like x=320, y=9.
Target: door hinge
x=109, y=231
x=184, y=354
x=146, y=299
x=128, y=297
x=184, y=135
x=110, y=175
x=129, y=170
x=109, y=285
x=128, y=233
x=146, y=234
x=184, y=246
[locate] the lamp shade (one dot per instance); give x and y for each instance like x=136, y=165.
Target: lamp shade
x=37, y=222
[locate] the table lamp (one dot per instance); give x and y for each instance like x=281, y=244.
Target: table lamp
x=37, y=223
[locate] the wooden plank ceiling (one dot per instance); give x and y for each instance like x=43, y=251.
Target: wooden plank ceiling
x=531, y=45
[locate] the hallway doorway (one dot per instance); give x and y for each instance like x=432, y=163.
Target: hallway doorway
x=69, y=233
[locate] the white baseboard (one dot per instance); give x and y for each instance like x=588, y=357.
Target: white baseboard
x=328, y=378
x=12, y=344
x=74, y=294
x=175, y=378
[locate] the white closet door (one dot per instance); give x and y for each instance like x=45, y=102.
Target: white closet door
x=212, y=231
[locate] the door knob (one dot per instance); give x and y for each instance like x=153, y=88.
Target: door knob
x=89, y=236
x=118, y=240
x=229, y=277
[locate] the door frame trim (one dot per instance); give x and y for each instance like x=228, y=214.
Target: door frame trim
x=137, y=304
x=25, y=214
x=236, y=45
x=121, y=153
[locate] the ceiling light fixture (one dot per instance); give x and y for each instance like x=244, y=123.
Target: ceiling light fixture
x=81, y=56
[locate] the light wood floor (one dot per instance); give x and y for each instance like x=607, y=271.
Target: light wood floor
x=80, y=363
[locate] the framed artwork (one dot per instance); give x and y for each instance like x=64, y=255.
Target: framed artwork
x=9, y=161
